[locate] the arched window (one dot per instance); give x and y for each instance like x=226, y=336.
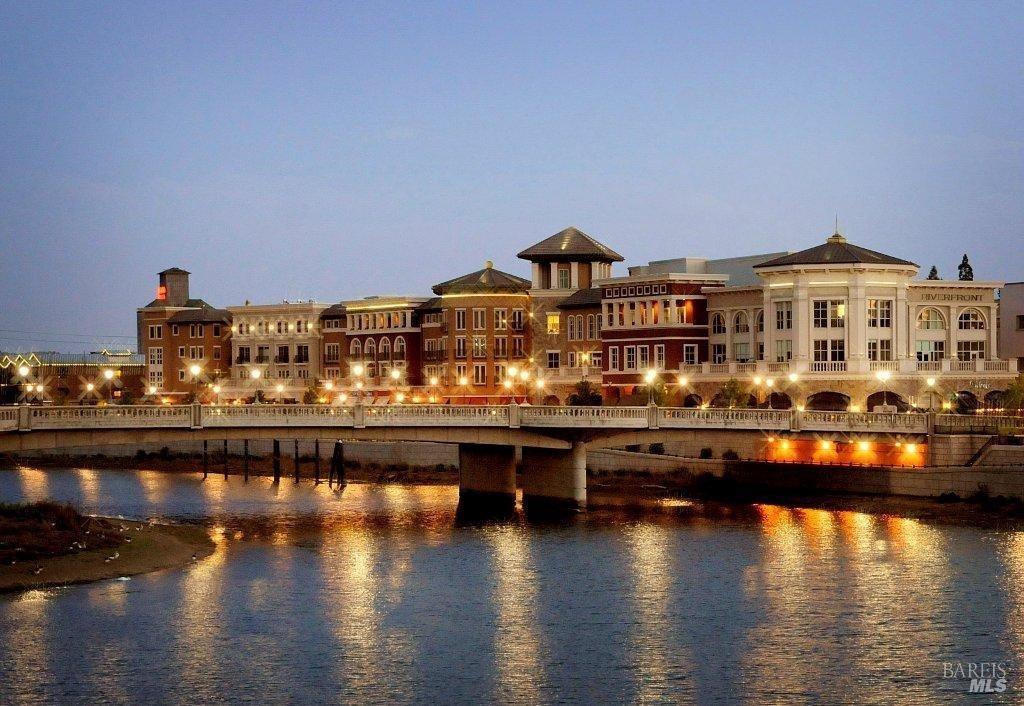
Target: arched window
x=355, y=350
x=741, y=324
x=717, y=323
x=370, y=349
x=971, y=320
x=592, y=332
x=385, y=349
x=930, y=320
x=400, y=348
x=759, y=319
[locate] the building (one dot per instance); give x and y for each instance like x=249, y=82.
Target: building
x=476, y=338
x=838, y=326
x=384, y=342
x=185, y=341
x=333, y=343
x=562, y=265
x=1011, y=323
x=275, y=351
x=48, y=377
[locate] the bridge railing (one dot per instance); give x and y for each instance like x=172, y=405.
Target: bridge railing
x=978, y=424
x=614, y=417
x=435, y=415
x=276, y=415
x=691, y=417
x=112, y=417
x=8, y=418
x=864, y=421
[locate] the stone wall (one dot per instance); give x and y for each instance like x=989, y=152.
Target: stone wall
x=954, y=449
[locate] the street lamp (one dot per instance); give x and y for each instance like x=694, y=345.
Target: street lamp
x=108, y=375
x=649, y=377
x=24, y=370
x=883, y=377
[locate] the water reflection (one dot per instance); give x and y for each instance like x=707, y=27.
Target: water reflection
x=376, y=594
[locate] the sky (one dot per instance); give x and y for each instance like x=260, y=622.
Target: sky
x=334, y=151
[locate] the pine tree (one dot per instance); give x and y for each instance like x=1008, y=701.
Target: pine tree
x=966, y=271
x=933, y=273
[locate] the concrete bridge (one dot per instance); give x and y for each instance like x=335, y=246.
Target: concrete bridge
x=553, y=440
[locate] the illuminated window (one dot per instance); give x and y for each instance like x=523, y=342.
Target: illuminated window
x=971, y=320
x=554, y=324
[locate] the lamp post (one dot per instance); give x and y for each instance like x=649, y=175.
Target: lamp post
x=649, y=377
x=357, y=371
x=255, y=374
x=194, y=371
x=883, y=377
x=396, y=376
x=108, y=375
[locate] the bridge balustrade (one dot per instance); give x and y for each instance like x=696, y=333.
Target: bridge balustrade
x=864, y=421
x=113, y=417
x=276, y=415
x=436, y=415
x=614, y=417
x=690, y=417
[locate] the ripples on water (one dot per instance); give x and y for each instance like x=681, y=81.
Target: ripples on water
x=377, y=595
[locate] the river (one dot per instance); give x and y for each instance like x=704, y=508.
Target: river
x=377, y=595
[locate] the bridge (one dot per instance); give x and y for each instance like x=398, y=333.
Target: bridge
x=553, y=440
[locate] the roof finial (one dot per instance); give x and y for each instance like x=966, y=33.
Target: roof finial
x=836, y=231
x=488, y=264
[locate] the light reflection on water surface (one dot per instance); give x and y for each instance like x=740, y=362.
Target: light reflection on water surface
x=378, y=595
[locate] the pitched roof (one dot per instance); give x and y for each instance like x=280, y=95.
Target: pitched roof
x=570, y=244
x=174, y=271
x=201, y=315
x=432, y=304
x=835, y=250
x=191, y=303
x=486, y=280
x=582, y=299
x=333, y=311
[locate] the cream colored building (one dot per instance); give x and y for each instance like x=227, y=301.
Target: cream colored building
x=275, y=348
x=838, y=325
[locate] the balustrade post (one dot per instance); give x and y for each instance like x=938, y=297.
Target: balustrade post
x=795, y=419
x=653, y=416
x=197, y=416
x=358, y=416
x=513, y=416
x=24, y=418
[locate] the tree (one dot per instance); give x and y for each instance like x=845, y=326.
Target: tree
x=732, y=394
x=586, y=395
x=309, y=396
x=965, y=270
x=933, y=273
x=1013, y=398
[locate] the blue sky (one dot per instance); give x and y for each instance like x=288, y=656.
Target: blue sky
x=331, y=151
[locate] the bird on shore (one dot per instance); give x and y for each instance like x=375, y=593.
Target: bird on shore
x=38, y=570
x=111, y=557
x=194, y=557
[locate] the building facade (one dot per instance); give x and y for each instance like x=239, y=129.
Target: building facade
x=384, y=341
x=48, y=377
x=1011, y=323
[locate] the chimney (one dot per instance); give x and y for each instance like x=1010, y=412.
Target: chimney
x=173, y=289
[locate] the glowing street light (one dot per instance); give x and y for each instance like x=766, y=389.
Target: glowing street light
x=649, y=377
x=255, y=374
x=883, y=377
x=152, y=389
x=24, y=370
x=108, y=374
x=395, y=373
x=930, y=382
x=793, y=377
x=433, y=381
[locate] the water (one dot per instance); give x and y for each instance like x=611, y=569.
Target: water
x=376, y=595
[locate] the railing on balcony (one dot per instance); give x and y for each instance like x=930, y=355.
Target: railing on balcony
x=979, y=424
x=828, y=366
x=778, y=367
x=718, y=368
x=962, y=366
x=888, y=365
x=997, y=366
x=929, y=366
x=746, y=367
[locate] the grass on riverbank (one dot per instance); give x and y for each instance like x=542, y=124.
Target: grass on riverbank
x=45, y=529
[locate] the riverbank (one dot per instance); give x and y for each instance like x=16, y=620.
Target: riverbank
x=51, y=545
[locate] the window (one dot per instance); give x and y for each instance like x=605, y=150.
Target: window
x=479, y=373
x=820, y=314
x=630, y=357
x=690, y=353
x=717, y=324
x=245, y=354
x=302, y=354
x=741, y=324
x=479, y=346
x=181, y=351
x=970, y=350
x=643, y=357
x=216, y=330
x=460, y=319
x=593, y=329
x=500, y=319
x=971, y=320
x=385, y=349
x=156, y=356
x=930, y=320
x=829, y=313
x=479, y=319
x=370, y=349
x=759, y=321
x=718, y=353
x=262, y=354
x=518, y=316
x=563, y=278
x=783, y=316
x=332, y=353
x=783, y=351
x=518, y=347
x=596, y=358
x=1020, y=322
x=501, y=347
x=280, y=327
x=829, y=350
x=181, y=375
x=931, y=351
x=500, y=373
x=400, y=348
x=880, y=349
x=355, y=350
x=741, y=352
x=216, y=352
x=572, y=359
x=460, y=346
x=283, y=354
x=156, y=377
x=880, y=313
x=174, y=329
x=460, y=373
x=156, y=332
x=554, y=360
x=303, y=373
x=613, y=358
x=760, y=351
x=659, y=356
x=554, y=325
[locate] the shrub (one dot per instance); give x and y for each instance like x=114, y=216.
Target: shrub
x=658, y=448
x=730, y=455
x=948, y=497
x=706, y=452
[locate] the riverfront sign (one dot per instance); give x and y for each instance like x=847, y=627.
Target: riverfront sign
x=947, y=297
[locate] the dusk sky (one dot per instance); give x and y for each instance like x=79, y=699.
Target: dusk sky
x=333, y=151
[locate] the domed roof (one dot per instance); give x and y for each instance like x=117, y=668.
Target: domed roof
x=836, y=251
x=486, y=280
x=570, y=244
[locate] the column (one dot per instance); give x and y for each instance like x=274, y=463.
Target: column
x=856, y=324
x=535, y=269
x=487, y=476
x=801, y=322
x=555, y=478
x=991, y=351
x=901, y=324
x=554, y=275
x=769, y=326
x=951, y=329
x=574, y=275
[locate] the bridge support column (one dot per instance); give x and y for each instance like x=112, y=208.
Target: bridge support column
x=487, y=476
x=556, y=479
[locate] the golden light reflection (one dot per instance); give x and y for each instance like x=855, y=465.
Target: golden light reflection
x=30, y=616
x=1012, y=555
x=517, y=644
x=35, y=483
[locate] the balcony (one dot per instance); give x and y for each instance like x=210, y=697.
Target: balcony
x=828, y=366
x=892, y=366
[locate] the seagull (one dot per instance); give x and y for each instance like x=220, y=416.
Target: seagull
x=127, y=539
x=112, y=557
x=38, y=570
x=194, y=557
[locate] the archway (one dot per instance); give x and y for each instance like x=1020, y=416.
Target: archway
x=828, y=401
x=552, y=400
x=886, y=397
x=693, y=400
x=966, y=402
x=779, y=400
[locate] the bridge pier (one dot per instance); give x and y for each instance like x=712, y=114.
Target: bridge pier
x=555, y=478
x=487, y=477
